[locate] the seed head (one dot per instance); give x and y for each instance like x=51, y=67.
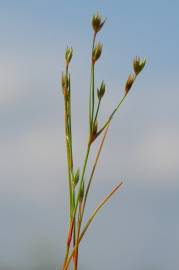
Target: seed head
x=138, y=64
x=76, y=177
x=94, y=131
x=101, y=90
x=97, y=23
x=96, y=52
x=68, y=55
x=129, y=83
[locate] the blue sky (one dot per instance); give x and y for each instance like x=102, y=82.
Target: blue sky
x=139, y=228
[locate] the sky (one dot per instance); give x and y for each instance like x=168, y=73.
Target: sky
x=139, y=228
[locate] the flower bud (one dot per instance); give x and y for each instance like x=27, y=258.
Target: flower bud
x=76, y=177
x=97, y=23
x=94, y=131
x=101, y=90
x=138, y=64
x=68, y=55
x=129, y=83
x=96, y=52
x=81, y=195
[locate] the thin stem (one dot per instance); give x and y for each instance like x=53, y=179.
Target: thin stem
x=68, y=135
x=68, y=154
x=78, y=194
x=96, y=160
x=111, y=116
x=97, y=111
x=98, y=208
x=93, y=99
x=81, y=212
x=91, y=219
x=82, y=177
x=68, y=139
x=71, y=158
x=70, y=231
x=91, y=94
x=78, y=236
x=94, y=167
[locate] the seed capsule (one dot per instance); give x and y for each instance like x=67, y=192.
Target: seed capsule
x=68, y=55
x=129, y=83
x=97, y=23
x=101, y=90
x=76, y=177
x=138, y=64
x=96, y=52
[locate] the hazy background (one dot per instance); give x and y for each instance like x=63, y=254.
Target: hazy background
x=139, y=229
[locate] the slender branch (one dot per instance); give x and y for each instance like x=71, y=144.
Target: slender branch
x=68, y=154
x=94, y=167
x=91, y=95
x=81, y=212
x=91, y=219
x=95, y=164
x=111, y=116
x=97, y=111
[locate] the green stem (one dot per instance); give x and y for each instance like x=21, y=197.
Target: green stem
x=94, y=167
x=82, y=176
x=91, y=94
x=68, y=155
x=71, y=157
x=96, y=160
x=78, y=236
x=82, y=208
x=97, y=111
x=91, y=219
x=111, y=116
x=92, y=90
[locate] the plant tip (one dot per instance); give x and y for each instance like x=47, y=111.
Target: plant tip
x=138, y=64
x=68, y=55
x=97, y=22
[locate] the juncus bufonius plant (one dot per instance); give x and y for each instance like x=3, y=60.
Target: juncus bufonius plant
x=78, y=186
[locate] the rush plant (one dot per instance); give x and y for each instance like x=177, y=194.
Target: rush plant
x=79, y=184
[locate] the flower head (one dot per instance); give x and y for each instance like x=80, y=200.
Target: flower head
x=129, y=83
x=138, y=64
x=68, y=55
x=101, y=90
x=76, y=177
x=96, y=52
x=97, y=23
